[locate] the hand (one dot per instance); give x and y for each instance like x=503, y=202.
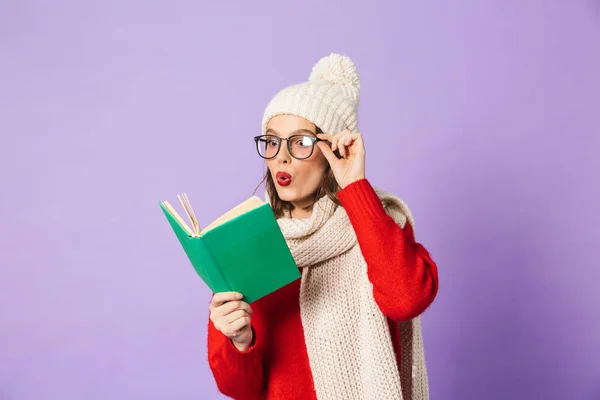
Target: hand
x=231, y=316
x=351, y=167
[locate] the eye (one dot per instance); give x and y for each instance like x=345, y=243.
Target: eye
x=304, y=141
x=272, y=143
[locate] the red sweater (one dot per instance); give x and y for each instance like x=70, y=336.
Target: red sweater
x=405, y=283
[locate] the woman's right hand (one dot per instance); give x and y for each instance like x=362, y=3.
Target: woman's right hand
x=231, y=316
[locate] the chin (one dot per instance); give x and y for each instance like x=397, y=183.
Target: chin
x=286, y=193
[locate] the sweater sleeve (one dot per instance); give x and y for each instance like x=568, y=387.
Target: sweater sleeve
x=237, y=374
x=403, y=274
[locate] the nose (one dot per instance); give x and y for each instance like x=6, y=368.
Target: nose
x=283, y=157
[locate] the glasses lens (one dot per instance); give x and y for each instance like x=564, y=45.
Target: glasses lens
x=301, y=146
x=267, y=146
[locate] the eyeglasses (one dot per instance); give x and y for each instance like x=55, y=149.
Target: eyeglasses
x=299, y=146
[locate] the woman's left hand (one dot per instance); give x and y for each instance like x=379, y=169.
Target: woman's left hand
x=351, y=167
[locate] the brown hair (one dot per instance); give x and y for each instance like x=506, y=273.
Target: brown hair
x=329, y=187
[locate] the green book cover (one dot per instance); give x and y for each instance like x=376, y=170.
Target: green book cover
x=243, y=251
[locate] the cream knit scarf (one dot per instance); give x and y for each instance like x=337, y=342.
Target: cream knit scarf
x=347, y=336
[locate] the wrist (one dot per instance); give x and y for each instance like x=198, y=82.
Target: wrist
x=243, y=347
x=362, y=202
x=351, y=181
x=246, y=344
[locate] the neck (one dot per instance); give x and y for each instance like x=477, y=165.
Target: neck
x=301, y=210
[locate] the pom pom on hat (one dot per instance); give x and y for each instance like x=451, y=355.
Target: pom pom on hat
x=337, y=69
x=329, y=99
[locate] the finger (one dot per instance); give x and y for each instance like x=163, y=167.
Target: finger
x=325, y=136
x=358, y=144
x=353, y=143
x=221, y=320
x=236, y=326
x=342, y=149
x=223, y=297
x=357, y=137
x=341, y=144
x=234, y=316
x=328, y=153
x=228, y=308
x=330, y=138
x=232, y=306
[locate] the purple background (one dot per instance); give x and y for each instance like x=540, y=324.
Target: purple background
x=483, y=116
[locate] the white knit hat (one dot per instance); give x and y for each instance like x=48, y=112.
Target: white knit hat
x=329, y=99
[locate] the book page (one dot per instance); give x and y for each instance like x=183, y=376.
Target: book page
x=176, y=215
x=187, y=206
x=250, y=204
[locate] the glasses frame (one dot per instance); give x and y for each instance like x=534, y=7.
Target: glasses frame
x=313, y=139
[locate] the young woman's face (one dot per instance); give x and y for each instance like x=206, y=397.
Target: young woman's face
x=296, y=181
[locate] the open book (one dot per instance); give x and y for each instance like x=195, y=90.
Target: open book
x=242, y=251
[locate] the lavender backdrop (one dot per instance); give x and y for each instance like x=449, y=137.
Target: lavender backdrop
x=483, y=116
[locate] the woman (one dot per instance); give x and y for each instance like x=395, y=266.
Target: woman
x=349, y=328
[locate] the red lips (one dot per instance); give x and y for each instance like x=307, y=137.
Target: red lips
x=283, y=178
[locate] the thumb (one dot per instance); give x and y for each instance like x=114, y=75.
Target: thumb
x=328, y=153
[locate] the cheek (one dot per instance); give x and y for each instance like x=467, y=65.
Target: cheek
x=319, y=159
x=320, y=163
x=271, y=167
x=313, y=171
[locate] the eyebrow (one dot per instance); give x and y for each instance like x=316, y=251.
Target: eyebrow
x=272, y=131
